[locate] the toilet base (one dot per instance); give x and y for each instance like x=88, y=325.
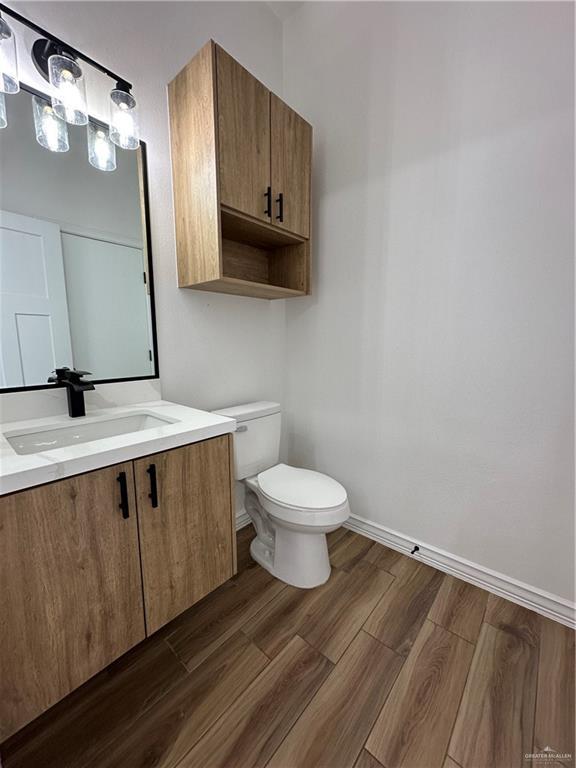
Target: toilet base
x=293, y=551
x=298, y=559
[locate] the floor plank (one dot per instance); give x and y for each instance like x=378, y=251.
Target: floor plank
x=252, y=729
x=555, y=717
x=275, y=625
x=459, y=607
x=343, y=613
x=399, y=616
x=366, y=760
x=334, y=537
x=348, y=550
x=219, y=616
x=382, y=557
x=243, y=540
x=510, y=617
x=177, y=722
x=334, y=727
x=415, y=724
x=328, y=618
x=79, y=729
x=495, y=722
x=405, y=566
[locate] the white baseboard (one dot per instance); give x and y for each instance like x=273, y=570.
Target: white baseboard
x=549, y=605
x=242, y=520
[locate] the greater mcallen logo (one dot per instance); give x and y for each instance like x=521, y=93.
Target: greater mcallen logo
x=548, y=755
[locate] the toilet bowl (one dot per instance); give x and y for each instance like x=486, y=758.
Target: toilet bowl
x=292, y=509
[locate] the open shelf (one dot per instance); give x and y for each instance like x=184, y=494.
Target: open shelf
x=244, y=229
x=240, y=287
x=278, y=271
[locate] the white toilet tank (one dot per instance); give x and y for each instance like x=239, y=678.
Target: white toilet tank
x=257, y=436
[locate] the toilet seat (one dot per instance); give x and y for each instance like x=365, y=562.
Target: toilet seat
x=301, y=488
x=301, y=496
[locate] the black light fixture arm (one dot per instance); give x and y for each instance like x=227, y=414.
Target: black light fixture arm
x=122, y=84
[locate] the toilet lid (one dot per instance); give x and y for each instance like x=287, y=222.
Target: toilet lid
x=302, y=488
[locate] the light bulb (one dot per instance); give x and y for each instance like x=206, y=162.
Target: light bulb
x=3, y=121
x=124, y=124
x=51, y=131
x=68, y=89
x=9, y=82
x=101, y=151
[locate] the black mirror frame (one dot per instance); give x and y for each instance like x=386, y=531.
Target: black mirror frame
x=143, y=165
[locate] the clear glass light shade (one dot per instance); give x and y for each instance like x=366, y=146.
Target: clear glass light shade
x=101, y=151
x=51, y=131
x=9, y=82
x=3, y=120
x=124, y=122
x=68, y=89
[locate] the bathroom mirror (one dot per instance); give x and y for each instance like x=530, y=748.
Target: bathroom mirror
x=76, y=284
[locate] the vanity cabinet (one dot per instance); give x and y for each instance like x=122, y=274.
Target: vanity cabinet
x=71, y=596
x=241, y=164
x=186, y=540
x=91, y=565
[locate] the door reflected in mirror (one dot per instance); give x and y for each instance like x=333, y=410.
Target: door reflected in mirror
x=75, y=279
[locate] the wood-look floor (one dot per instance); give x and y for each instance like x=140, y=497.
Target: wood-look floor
x=389, y=664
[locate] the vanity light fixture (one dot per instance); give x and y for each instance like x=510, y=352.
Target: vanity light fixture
x=51, y=131
x=58, y=63
x=68, y=90
x=101, y=151
x=124, y=123
x=3, y=121
x=9, y=82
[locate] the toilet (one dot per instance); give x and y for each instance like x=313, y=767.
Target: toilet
x=292, y=508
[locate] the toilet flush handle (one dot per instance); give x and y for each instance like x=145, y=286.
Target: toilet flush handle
x=241, y=428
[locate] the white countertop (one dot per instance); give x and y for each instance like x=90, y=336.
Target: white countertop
x=24, y=471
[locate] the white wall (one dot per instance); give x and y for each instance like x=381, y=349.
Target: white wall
x=214, y=350
x=430, y=371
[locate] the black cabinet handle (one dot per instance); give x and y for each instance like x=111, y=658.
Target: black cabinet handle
x=123, y=495
x=153, y=495
x=268, y=196
x=280, y=201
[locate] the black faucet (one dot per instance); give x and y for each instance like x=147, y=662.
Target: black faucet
x=72, y=380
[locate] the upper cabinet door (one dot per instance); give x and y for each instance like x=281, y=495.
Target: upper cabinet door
x=291, y=168
x=187, y=538
x=244, y=138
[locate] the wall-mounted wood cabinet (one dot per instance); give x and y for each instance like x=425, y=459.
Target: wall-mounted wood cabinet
x=291, y=141
x=91, y=565
x=241, y=163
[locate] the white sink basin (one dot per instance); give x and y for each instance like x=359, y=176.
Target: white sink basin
x=48, y=439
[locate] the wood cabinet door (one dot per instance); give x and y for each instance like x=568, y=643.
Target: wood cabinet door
x=187, y=528
x=291, y=141
x=71, y=592
x=243, y=137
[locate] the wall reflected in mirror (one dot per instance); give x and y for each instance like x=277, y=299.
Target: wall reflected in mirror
x=74, y=277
